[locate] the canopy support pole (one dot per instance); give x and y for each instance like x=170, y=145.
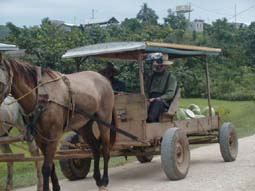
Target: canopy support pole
x=141, y=70
x=208, y=86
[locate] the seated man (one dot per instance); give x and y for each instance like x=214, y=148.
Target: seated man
x=162, y=86
x=110, y=72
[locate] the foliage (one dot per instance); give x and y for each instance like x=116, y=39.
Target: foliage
x=176, y=21
x=232, y=73
x=147, y=15
x=4, y=31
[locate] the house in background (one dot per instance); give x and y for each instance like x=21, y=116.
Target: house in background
x=112, y=20
x=68, y=26
x=196, y=26
x=238, y=25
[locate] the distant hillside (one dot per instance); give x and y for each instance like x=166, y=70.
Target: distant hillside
x=4, y=31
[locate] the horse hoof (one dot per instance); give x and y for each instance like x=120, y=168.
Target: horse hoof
x=103, y=188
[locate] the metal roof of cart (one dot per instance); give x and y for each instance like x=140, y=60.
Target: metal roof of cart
x=130, y=50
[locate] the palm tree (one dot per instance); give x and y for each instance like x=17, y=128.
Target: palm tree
x=147, y=15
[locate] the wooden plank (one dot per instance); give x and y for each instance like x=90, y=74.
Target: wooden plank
x=8, y=140
x=8, y=157
x=132, y=56
x=190, y=126
x=72, y=151
x=183, y=46
x=131, y=112
x=175, y=103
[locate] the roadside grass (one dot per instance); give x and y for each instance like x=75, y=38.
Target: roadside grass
x=240, y=113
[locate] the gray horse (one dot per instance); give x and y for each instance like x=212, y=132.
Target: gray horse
x=11, y=117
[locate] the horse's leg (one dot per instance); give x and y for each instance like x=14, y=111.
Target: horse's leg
x=48, y=150
x=9, y=182
x=54, y=179
x=105, y=137
x=33, y=149
x=106, y=156
x=87, y=134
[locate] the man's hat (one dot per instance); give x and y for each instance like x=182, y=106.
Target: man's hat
x=158, y=56
x=109, y=69
x=166, y=61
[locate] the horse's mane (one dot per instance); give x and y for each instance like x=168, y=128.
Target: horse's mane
x=23, y=69
x=26, y=70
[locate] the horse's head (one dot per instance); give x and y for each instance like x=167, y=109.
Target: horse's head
x=5, y=79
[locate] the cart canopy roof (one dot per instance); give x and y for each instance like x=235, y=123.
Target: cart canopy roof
x=132, y=50
x=7, y=47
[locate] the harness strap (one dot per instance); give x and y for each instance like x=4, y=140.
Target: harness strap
x=71, y=105
x=112, y=127
x=31, y=131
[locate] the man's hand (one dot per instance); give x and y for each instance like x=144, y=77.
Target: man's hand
x=155, y=98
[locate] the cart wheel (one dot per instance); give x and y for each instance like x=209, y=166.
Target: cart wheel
x=144, y=159
x=228, y=142
x=74, y=169
x=175, y=154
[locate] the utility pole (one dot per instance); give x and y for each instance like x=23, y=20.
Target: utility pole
x=93, y=14
x=235, y=16
x=189, y=11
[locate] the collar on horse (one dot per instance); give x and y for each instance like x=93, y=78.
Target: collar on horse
x=43, y=99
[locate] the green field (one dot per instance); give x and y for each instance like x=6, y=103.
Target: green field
x=239, y=112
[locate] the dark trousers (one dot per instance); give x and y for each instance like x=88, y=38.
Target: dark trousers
x=155, y=109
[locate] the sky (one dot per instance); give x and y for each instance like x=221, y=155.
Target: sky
x=31, y=12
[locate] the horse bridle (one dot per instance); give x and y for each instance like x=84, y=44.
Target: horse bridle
x=6, y=81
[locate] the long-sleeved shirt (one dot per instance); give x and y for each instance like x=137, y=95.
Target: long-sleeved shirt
x=162, y=84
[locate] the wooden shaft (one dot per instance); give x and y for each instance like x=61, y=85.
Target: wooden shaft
x=21, y=158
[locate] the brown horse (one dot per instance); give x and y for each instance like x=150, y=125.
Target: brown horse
x=90, y=91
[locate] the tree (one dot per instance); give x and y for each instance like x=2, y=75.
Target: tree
x=147, y=15
x=176, y=22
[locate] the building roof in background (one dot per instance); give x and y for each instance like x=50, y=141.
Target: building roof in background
x=112, y=20
x=8, y=47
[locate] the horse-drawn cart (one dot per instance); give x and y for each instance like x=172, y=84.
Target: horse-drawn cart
x=169, y=137
x=134, y=137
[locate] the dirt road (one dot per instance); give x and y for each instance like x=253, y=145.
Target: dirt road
x=207, y=172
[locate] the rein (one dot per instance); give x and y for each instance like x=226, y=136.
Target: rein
x=112, y=127
x=36, y=87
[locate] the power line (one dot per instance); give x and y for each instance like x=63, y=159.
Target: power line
x=210, y=11
x=253, y=6
x=227, y=15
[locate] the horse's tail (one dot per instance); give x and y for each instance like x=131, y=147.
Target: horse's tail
x=115, y=123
